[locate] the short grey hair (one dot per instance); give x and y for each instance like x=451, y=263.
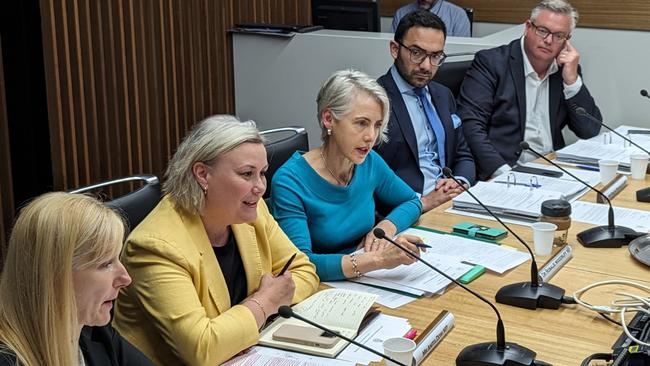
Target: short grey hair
x=207, y=142
x=339, y=91
x=557, y=6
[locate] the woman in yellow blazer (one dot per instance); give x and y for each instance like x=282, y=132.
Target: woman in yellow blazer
x=205, y=261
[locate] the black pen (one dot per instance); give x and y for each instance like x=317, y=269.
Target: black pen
x=422, y=245
x=286, y=266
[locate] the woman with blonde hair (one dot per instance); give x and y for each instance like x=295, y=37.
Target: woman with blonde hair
x=60, y=277
x=326, y=199
x=206, y=261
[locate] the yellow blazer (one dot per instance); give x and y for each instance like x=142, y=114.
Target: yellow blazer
x=177, y=310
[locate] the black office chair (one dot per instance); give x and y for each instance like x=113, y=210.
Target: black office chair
x=451, y=74
x=280, y=147
x=136, y=205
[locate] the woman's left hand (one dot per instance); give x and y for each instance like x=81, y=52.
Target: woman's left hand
x=372, y=243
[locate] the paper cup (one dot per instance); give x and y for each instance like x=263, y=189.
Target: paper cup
x=543, y=233
x=608, y=170
x=399, y=349
x=638, y=165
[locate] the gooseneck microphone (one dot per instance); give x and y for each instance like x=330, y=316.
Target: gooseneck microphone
x=583, y=113
x=644, y=93
x=528, y=295
x=482, y=354
x=643, y=194
x=606, y=236
x=286, y=311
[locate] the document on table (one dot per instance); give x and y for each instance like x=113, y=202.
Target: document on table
x=511, y=201
x=490, y=256
x=386, y=298
x=421, y=277
x=265, y=356
x=381, y=328
x=641, y=139
x=588, y=176
x=572, y=189
x=365, y=280
x=597, y=214
x=590, y=151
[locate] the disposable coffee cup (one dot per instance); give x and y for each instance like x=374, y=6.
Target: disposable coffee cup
x=399, y=349
x=543, y=233
x=608, y=170
x=638, y=165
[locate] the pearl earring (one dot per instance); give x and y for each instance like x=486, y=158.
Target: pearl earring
x=329, y=132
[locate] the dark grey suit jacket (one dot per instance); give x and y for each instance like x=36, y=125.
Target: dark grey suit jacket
x=492, y=105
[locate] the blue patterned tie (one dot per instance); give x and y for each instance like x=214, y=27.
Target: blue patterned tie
x=435, y=122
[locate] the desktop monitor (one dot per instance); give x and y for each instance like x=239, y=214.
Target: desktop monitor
x=354, y=15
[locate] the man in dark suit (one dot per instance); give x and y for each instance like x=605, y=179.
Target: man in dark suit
x=526, y=90
x=424, y=133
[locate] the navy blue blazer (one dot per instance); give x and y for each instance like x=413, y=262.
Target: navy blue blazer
x=492, y=105
x=101, y=346
x=401, y=151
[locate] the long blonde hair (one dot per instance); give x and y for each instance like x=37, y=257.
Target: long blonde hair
x=54, y=234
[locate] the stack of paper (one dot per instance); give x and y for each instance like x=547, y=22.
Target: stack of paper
x=418, y=276
x=606, y=146
x=449, y=253
x=514, y=201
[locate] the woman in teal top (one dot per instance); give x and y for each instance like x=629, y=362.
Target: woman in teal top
x=324, y=200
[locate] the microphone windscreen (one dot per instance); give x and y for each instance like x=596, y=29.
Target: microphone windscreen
x=644, y=92
x=285, y=311
x=447, y=172
x=379, y=233
x=524, y=145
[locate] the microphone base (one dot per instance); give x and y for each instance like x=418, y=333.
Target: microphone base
x=524, y=295
x=606, y=237
x=487, y=354
x=643, y=195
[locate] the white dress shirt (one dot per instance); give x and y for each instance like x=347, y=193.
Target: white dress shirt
x=538, y=121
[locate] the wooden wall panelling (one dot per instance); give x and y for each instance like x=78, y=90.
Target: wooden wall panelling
x=126, y=79
x=6, y=190
x=623, y=14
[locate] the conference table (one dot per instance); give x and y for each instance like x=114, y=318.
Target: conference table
x=561, y=337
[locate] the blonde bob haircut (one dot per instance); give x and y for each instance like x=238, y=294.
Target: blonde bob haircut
x=55, y=234
x=339, y=93
x=559, y=7
x=206, y=143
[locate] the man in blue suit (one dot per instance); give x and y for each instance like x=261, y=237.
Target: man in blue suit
x=526, y=90
x=424, y=133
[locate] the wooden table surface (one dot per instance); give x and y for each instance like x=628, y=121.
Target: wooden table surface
x=561, y=337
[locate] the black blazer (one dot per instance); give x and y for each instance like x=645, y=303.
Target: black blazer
x=101, y=346
x=492, y=105
x=401, y=151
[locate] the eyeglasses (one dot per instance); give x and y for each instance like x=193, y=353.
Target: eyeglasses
x=543, y=32
x=418, y=55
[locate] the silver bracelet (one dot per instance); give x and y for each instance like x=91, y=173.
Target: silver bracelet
x=355, y=265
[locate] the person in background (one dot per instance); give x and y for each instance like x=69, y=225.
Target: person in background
x=206, y=261
x=526, y=90
x=454, y=17
x=424, y=132
x=59, y=280
x=325, y=199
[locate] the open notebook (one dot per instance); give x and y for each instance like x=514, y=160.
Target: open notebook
x=341, y=310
